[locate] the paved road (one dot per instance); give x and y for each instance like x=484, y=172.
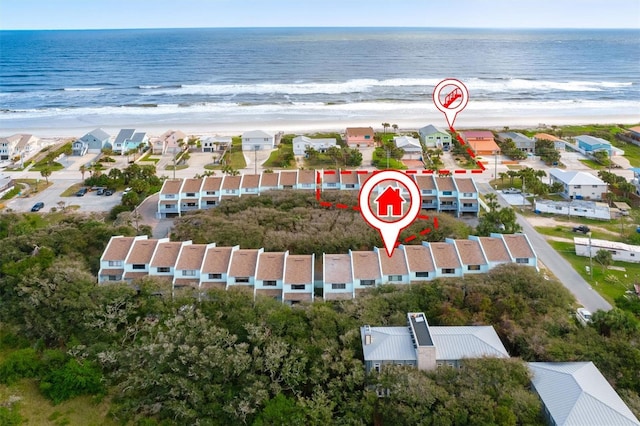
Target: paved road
x=564, y=272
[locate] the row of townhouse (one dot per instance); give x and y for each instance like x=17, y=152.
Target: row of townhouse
x=291, y=278
x=18, y=145
x=441, y=193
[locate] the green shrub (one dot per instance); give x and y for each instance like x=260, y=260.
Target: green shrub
x=9, y=416
x=19, y=364
x=73, y=379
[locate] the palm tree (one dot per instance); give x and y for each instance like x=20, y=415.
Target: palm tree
x=384, y=127
x=395, y=127
x=503, y=175
x=83, y=170
x=45, y=172
x=512, y=174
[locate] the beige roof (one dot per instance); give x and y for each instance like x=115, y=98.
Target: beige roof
x=337, y=268
x=166, y=254
x=171, y=187
x=191, y=185
x=118, y=271
x=299, y=269
x=250, y=181
x=191, y=256
x=445, y=183
x=348, y=177
x=269, y=180
x=366, y=265
x=307, y=176
x=419, y=258
x=495, y=249
x=288, y=178
x=212, y=183
x=518, y=245
x=394, y=265
x=425, y=182
x=332, y=176
x=465, y=185
x=445, y=255
x=470, y=252
x=142, y=251
x=173, y=135
x=362, y=177
x=134, y=275
x=243, y=263
x=359, y=131
x=118, y=248
x=270, y=266
x=546, y=136
x=216, y=260
x=231, y=182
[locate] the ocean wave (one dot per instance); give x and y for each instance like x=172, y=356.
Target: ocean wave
x=82, y=89
x=516, y=84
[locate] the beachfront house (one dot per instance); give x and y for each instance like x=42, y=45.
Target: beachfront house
x=411, y=146
x=522, y=142
x=92, y=143
x=258, y=140
x=168, y=142
x=434, y=137
x=301, y=143
x=128, y=140
x=18, y=146
x=481, y=141
x=216, y=143
x=578, y=185
x=558, y=143
x=359, y=136
x=591, y=144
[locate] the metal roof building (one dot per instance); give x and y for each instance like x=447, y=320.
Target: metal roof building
x=576, y=393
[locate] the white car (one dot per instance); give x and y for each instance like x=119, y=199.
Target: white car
x=511, y=191
x=583, y=315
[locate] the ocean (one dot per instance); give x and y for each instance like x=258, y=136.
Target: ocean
x=315, y=78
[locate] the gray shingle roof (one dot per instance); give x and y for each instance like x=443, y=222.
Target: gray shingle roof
x=123, y=135
x=576, y=393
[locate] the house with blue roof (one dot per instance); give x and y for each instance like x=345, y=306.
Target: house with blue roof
x=591, y=144
x=91, y=143
x=129, y=139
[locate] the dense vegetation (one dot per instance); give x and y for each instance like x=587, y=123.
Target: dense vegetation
x=295, y=221
x=231, y=360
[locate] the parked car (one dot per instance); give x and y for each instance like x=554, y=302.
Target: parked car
x=583, y=315
x=582, y=228
x=81, y=192
x=511, y=191
x=100, y=191
x=37, y=206
x=126, y=191
x=108, y=192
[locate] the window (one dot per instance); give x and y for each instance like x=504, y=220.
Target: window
x=350, y=186
x=163, y=269
x=251, y=189
x=376, y=367
x=448, y=271
x=395, y=278
x=169, y=206
x=269, y=283
x=170, y=196
x=423, y=274
x=367, y=136
x=211, y=203
x=242, y=279
x=522, y=260
x=338, y=286
x=426, y=191
x=577, y=186
x=446, y=203
x=447, y=193
x=229, y=191
x=189, y=273
x=298, y=286
x=367, y=282
x=113, y=278
x=215, y=276
x=211, y=193
x=139, y=266
x=191, y=204
x=632, y=254
x=191, y=194
x=115, y=263
x=473, y=267
x=468, y=194
x=594, y=186
x=467, y=205
x=331, y=185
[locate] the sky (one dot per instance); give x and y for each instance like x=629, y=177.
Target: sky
x=93, y=14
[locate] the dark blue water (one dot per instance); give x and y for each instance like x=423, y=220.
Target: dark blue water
x=261, y=71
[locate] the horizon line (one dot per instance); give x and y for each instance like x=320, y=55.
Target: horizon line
x=325, y=27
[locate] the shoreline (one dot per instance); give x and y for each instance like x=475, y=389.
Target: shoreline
x=154, y=129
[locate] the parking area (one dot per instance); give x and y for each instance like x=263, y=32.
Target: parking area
x=516, y=199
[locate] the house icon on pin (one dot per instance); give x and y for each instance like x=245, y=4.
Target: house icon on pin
x=390, y=202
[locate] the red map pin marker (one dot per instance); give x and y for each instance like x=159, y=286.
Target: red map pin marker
x=450, y=96
x=389, y=203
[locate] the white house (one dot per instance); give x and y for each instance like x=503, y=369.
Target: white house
x=580, y=208
x=619, y=251
x=409, y=144
x=579, y=185
x=301, y=143
x=258, y=140
x=18, y=145
x=216, y=143
x=434, y=137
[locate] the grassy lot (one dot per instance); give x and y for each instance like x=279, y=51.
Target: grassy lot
x=280, y=158
x=178, y=167
x=35, y=409
x=54, y=166
x=611, y=283
x=567, y=232
x=592, y=164
x=71, y=191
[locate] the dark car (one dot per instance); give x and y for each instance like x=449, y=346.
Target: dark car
x=582, y=228
x=108, y=192
x=81, y=192
x=37, y=206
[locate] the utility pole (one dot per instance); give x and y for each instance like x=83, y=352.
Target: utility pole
x=495, y=164
x=590, y=258
x=387, y=158
x=255, y=159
